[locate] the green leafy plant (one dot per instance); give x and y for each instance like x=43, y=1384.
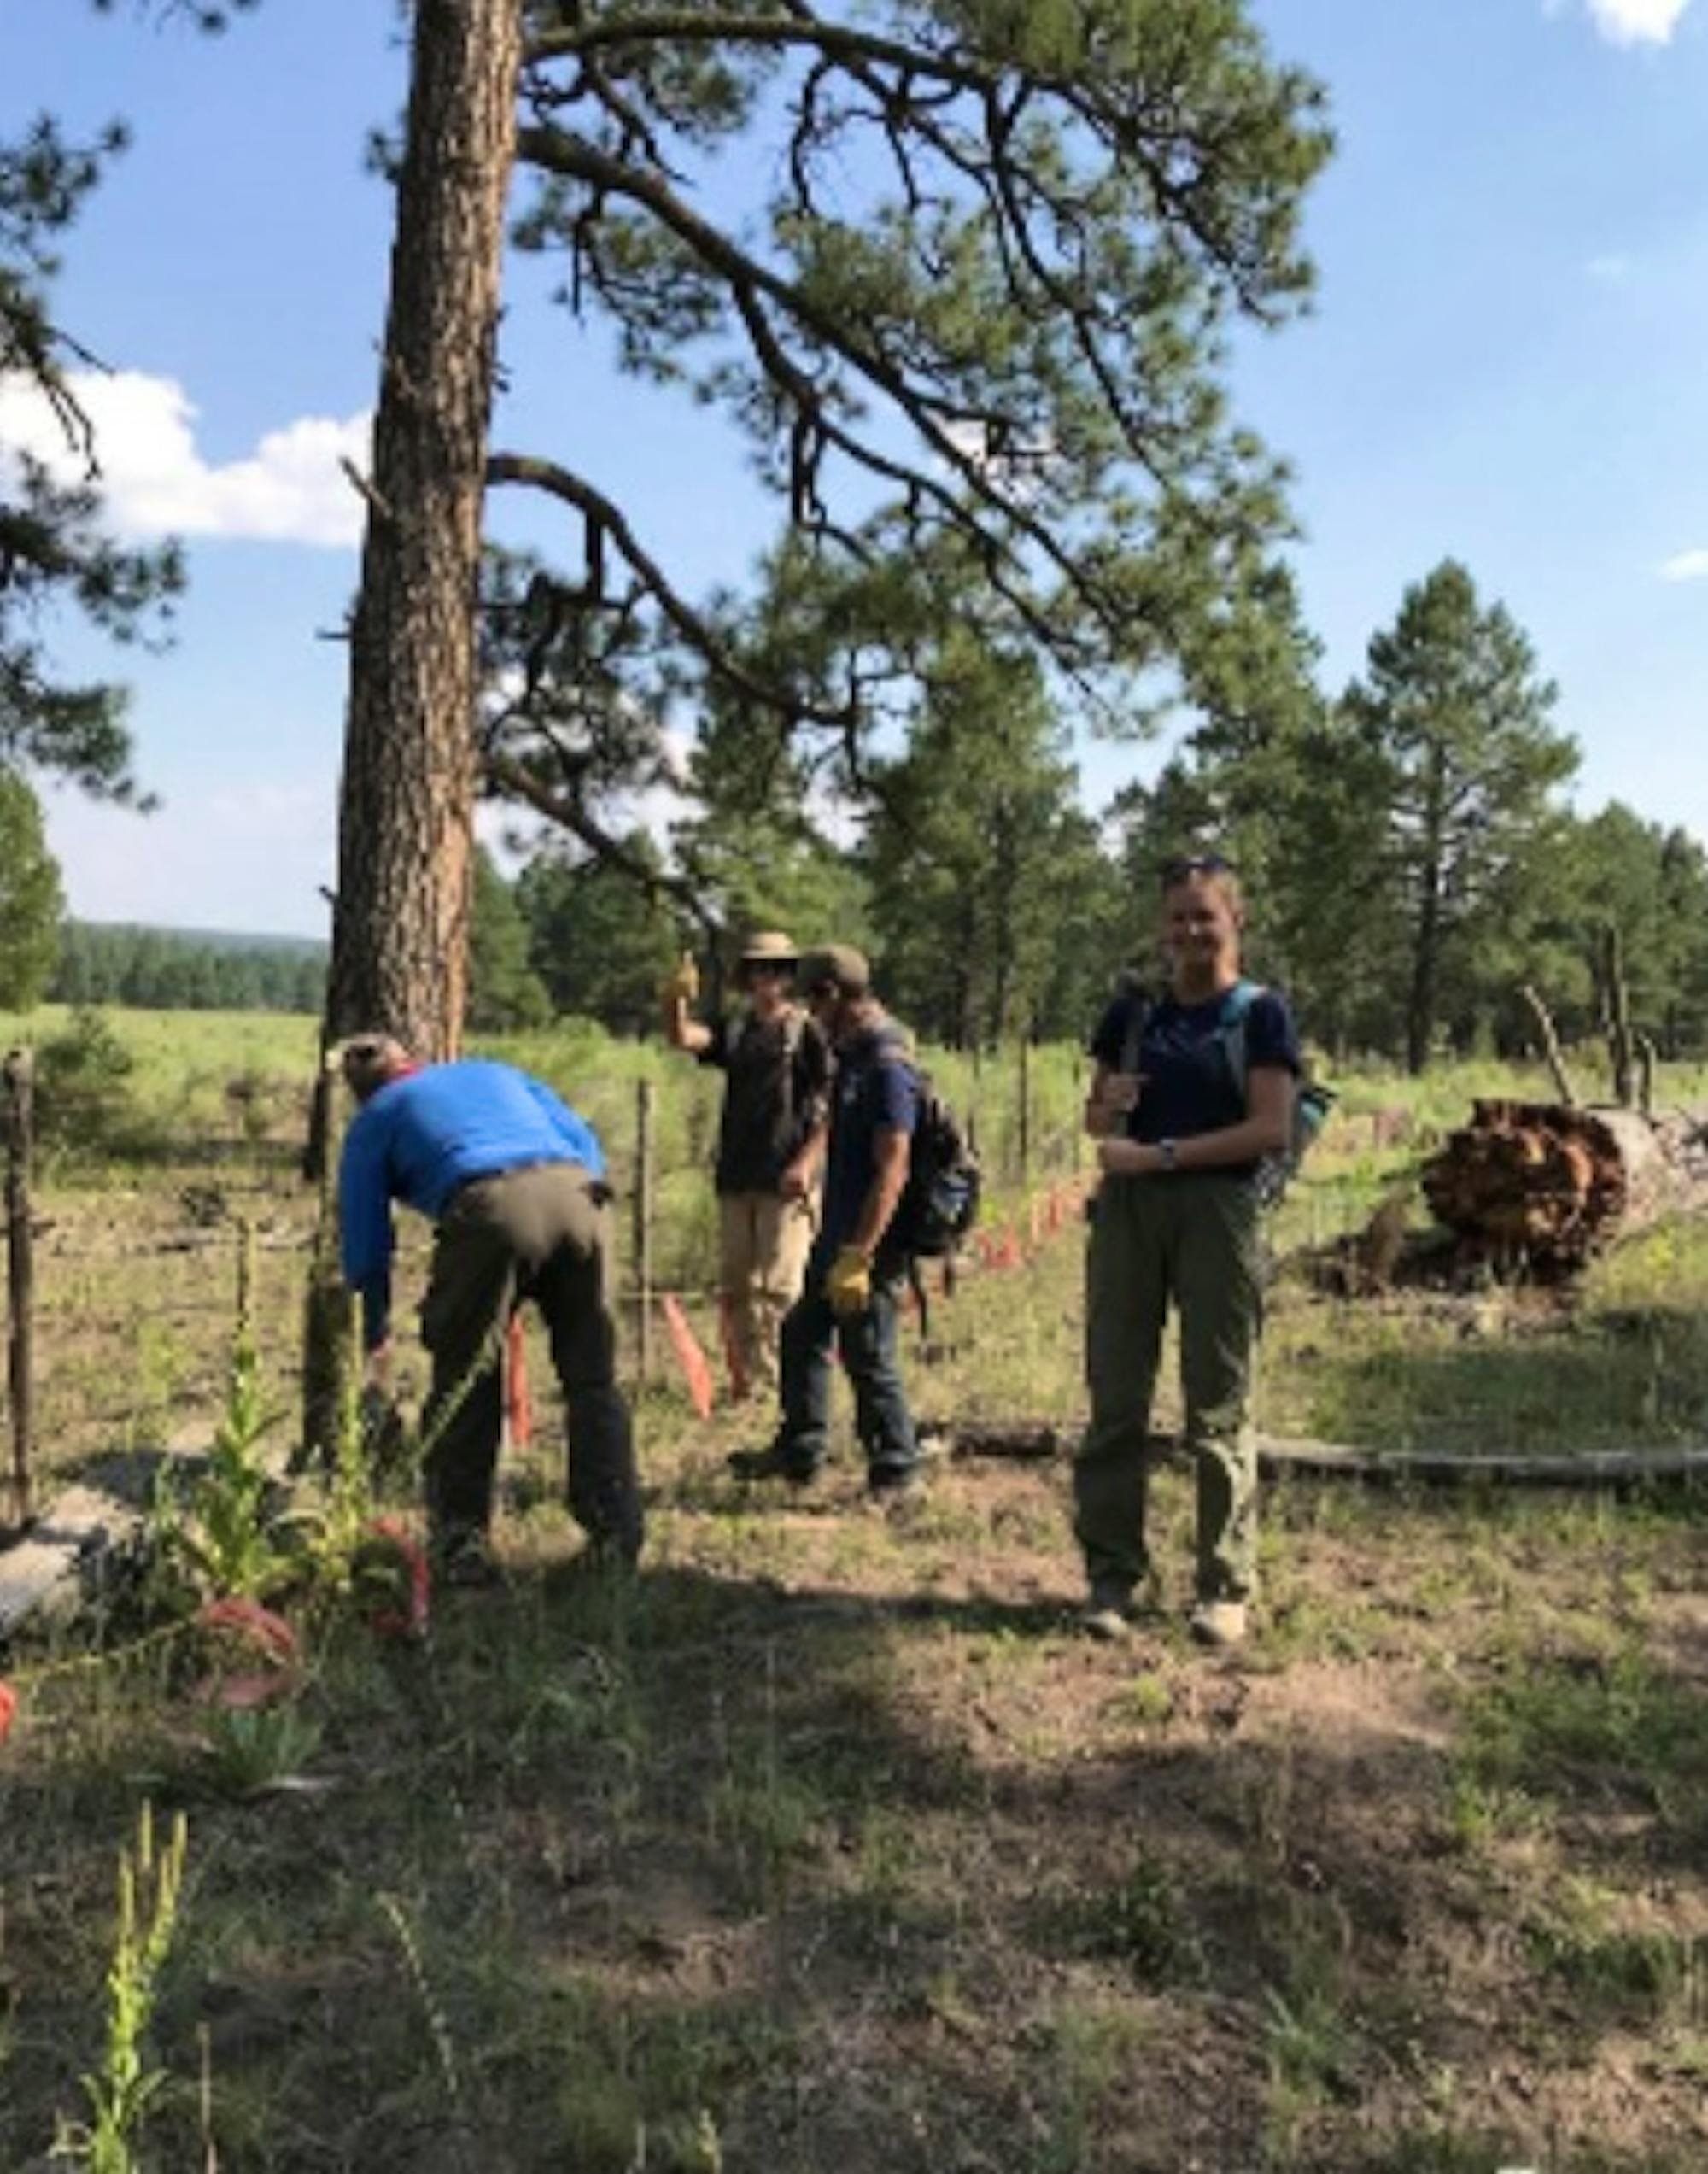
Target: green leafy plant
x=218, y=1531
x=251, y=1748
x=121, y=2093
x=1143, y=1920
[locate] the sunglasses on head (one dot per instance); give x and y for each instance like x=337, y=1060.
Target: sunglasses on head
x=1188, y=864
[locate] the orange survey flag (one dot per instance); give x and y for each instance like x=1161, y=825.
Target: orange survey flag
x=689, y=1356
x=518, y=1412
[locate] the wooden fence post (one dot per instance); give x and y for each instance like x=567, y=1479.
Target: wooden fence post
x=1616, y=1001
x=19, y=1278
x=1024, y=1132
x=642, y=1209
x=329, y=1343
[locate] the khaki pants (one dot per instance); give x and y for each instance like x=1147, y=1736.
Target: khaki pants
x=763, y=1245
x=1193, y=1240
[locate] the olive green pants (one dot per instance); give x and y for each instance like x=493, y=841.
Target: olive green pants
x=539, y=1232
x=1192, y=1239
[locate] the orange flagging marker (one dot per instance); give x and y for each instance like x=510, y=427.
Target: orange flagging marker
x=518, y=1410
x=696, y=1374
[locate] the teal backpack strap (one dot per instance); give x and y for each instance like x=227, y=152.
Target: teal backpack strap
x=1236, y=1004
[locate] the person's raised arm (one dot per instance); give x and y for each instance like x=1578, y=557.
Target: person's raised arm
x=676, y=993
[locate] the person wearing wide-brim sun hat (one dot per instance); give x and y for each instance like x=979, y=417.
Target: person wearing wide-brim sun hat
x=770, y=1143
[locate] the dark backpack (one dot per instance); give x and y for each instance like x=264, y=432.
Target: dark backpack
x=939, y=1202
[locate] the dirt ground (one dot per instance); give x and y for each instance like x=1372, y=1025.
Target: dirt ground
x=830, y=1845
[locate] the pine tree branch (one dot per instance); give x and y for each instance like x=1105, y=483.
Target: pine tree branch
x=695, y=629
x=515, y=780
x=570, y=155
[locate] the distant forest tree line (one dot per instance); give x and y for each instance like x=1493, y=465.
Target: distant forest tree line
x=1411, y=861
x=882, y=725
x=167, y=970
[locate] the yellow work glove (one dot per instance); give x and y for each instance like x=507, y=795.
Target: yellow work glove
x=849, y=1285
x=682, y=984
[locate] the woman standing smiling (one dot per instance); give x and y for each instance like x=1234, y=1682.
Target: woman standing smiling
x=1189, y=1094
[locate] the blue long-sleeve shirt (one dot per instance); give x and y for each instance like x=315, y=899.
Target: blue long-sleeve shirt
x=422, y=1137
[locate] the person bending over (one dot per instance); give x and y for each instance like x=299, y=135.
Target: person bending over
x=513, y=1180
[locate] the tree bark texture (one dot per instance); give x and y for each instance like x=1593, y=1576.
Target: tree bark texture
x=399, y=937
x=1540, y=1186
x=17, y=1126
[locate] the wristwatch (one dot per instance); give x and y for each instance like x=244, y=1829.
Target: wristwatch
x=1169, y=1150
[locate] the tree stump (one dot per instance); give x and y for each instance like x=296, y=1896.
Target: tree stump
x=1539, y=1186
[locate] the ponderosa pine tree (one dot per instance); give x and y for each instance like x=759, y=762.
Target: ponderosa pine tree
x=598, y=940
x=971, y=840
x=54, y=550
x=1455, y=718
x=400, y=920
x=32, y=902
x=504, y=990
x=963, y=271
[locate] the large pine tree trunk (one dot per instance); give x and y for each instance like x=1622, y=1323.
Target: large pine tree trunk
x=399, y=937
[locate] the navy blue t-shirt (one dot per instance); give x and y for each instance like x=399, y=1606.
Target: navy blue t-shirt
x=875, y=1090
x=1190, y=1085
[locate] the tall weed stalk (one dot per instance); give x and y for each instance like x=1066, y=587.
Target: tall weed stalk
x=121, y=2093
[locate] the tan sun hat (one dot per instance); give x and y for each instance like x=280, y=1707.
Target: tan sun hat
x=770, y=947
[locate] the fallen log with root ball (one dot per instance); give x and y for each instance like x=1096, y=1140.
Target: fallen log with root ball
x=1539, y=1186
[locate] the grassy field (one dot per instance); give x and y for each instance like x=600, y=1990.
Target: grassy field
x=827, y=1844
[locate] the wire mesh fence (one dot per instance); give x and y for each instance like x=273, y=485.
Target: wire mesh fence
x=122, y=1245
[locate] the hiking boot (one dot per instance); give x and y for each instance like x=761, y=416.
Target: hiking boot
x=772, y=1462
x=894, y=1482
x=464, y=1561
x=1109, y=1611
x=1218, y=1622
x=605, y=1555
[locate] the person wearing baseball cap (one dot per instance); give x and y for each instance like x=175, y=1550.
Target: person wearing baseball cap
x=852, y=1297
x=771, y=1141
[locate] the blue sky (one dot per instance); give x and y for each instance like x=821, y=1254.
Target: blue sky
x=1505, y=364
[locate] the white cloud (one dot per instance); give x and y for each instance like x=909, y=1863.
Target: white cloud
x=1636, y=23
x=230, y=856
x=1686, y=566
x=291, y=488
